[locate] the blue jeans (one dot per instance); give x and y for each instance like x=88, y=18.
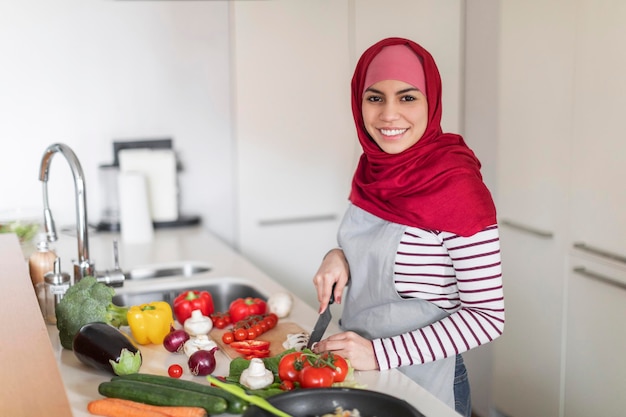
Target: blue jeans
x=462, y=398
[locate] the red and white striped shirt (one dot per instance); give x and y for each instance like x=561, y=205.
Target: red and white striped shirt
x=462, y=275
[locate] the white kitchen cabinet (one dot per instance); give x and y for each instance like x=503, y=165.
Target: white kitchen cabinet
x=295, y=136
x=598, y=199
x=560, y=171
x=595, y=371
x=536, y=73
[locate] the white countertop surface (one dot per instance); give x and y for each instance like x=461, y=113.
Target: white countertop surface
x=194, y=244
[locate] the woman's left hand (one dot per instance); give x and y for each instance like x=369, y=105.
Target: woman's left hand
x=349, y=345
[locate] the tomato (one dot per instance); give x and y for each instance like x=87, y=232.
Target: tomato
x=316, y=377
x=251, y=333
x=242, y=308
x=228, y=338
x=291, y=365
x=258, y=330
x=175, y=371
x=287, y=385
x=241, y=334
x=340, y=364
x=220, y=320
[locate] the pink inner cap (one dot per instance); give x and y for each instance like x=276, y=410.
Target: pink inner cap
x=396, y=62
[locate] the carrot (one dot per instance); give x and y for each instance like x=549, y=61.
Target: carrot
x=117, y=407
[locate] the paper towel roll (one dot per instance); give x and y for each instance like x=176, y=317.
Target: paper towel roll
x=135, y=219
x=159, y=168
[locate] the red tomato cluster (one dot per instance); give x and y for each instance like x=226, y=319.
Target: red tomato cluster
x=310, y=370
x=250, y=328
x=220, y=320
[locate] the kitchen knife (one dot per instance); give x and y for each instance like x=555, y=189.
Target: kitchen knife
x=322, y=322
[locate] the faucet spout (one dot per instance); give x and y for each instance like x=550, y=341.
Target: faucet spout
x=82, y=266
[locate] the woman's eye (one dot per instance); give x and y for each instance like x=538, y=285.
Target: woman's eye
x=408, y=98
x=374, y=99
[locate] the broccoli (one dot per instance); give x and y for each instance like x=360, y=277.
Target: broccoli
x=87, y=301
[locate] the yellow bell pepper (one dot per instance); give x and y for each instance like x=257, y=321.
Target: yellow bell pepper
x=151, y=322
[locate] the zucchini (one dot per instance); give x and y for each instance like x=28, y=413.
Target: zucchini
x=154, y=394
x=235, y=404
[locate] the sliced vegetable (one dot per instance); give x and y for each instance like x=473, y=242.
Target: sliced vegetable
x=189, y=301
x=256, y=376
x=104, y=347
x=297, y=341
x=117, y=407
x=202, y=362
x=242, y=308
x=161, y=395
x=150, y=322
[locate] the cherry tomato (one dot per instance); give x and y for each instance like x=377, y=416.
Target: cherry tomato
x=228, y=338
x=258, y=329
x=291, y=365
x=316, y=377
x=287, y=385
x=241, y=334
x=175, y=371
x=251, y=333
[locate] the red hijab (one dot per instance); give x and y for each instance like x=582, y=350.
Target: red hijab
x=435, y=184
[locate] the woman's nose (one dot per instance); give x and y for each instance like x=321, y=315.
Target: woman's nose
x=389, y=112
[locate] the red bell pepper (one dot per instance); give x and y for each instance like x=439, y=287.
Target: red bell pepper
x=242, y=308
x=189, y=301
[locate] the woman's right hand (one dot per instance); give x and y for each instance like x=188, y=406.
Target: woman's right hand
x=334, y=270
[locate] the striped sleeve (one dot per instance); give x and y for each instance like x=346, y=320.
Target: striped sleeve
x=464, y=278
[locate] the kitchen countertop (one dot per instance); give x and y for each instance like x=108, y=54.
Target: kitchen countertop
x=170, y=247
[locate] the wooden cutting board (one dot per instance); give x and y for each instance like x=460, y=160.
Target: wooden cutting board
x=276, y=337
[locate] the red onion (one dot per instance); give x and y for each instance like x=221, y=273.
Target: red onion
x=175, y=340
x=202, y=362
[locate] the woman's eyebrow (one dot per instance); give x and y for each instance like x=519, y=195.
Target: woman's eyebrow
x=403, y=91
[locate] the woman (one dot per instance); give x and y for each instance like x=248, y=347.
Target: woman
x=418, y=246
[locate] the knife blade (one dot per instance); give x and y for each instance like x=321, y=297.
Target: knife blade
x=322, y=322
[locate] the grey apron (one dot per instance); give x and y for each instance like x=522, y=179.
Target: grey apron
x=374, y=309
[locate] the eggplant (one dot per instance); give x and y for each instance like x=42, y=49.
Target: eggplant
x=104, y=347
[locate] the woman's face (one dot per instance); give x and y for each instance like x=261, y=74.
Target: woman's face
x=395, y=115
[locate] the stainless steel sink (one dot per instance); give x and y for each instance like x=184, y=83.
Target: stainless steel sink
x=223, y=293
x=185, y=269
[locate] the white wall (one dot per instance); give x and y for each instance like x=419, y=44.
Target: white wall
x=87, y=72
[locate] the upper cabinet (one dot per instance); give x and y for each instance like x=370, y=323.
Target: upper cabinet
x=598, y=197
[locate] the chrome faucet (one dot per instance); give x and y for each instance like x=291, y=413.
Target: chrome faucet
x=83, y=266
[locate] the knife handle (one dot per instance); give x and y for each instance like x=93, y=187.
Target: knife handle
x=332, y=295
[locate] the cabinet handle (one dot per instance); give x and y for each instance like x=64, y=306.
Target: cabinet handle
x=600, y=252
x=527, y=229
x=304, y=219
x=598, y=277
